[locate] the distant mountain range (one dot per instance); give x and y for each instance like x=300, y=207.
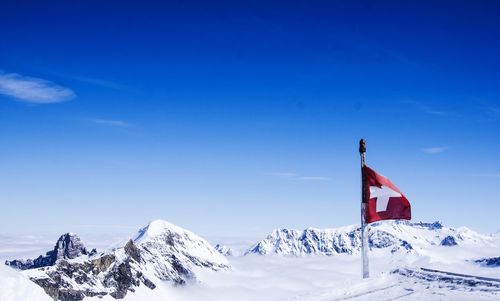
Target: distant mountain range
x=396, y=236
x=162, y=251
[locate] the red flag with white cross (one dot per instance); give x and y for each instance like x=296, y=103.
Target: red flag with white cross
x=384, y=200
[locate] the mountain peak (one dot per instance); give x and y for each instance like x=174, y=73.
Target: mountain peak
x=68, y=246
x=155, y=228
x=169, y=243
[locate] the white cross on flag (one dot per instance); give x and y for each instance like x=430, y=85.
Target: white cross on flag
x=384, y=200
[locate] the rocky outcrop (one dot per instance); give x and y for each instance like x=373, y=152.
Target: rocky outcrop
x=224, y=250
x=449, y=241
x=68, y=246
x=490, y=262
x=113, y=274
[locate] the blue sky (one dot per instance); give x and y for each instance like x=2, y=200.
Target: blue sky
x=236, y=117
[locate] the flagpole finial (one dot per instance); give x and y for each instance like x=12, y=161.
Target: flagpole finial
x=362, y=146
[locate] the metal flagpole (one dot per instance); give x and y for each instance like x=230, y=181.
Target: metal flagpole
x=364, y=232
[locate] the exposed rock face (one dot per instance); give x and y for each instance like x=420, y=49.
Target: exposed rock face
x=224, y=250
x=132, y=251
x=491, y=262
x=68, y=246
x=113, y=274
x=430, y=226
x=160, y=251
x=449, y=241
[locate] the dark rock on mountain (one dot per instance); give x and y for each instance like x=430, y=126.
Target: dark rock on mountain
x=115, y=274
x=224, y=250
x=430, y=226
x=449, y=241
x=491, y=262
x=68, y=246
x=132, y=251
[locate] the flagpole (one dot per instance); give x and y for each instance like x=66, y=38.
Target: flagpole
x=364, y=234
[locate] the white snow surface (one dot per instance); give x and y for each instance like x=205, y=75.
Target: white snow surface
x=156, y=228
x=14, y=286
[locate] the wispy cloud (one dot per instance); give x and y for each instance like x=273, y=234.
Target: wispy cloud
x=434, y=150
x=291, y=175
x=314, y=178
x=33, y=90
x=283, y=174
x=494, y=110
x=486, y=175
x=491, y=113
x=112, y=122
x=96, y=82
x=428, y=109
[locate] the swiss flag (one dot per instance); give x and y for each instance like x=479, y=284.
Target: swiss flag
x=384, y=200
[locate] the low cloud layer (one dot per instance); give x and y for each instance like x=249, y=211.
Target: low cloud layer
x=33, y=90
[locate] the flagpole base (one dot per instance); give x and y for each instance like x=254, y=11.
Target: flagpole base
x=364, y=251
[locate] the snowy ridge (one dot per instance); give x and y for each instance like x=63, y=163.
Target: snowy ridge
x=396, y=236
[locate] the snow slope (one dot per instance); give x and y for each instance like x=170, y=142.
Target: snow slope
x=14, y=286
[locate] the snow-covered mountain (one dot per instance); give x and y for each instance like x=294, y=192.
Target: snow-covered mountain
x=396, y=236
x=171, y=251
x=158, y=252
